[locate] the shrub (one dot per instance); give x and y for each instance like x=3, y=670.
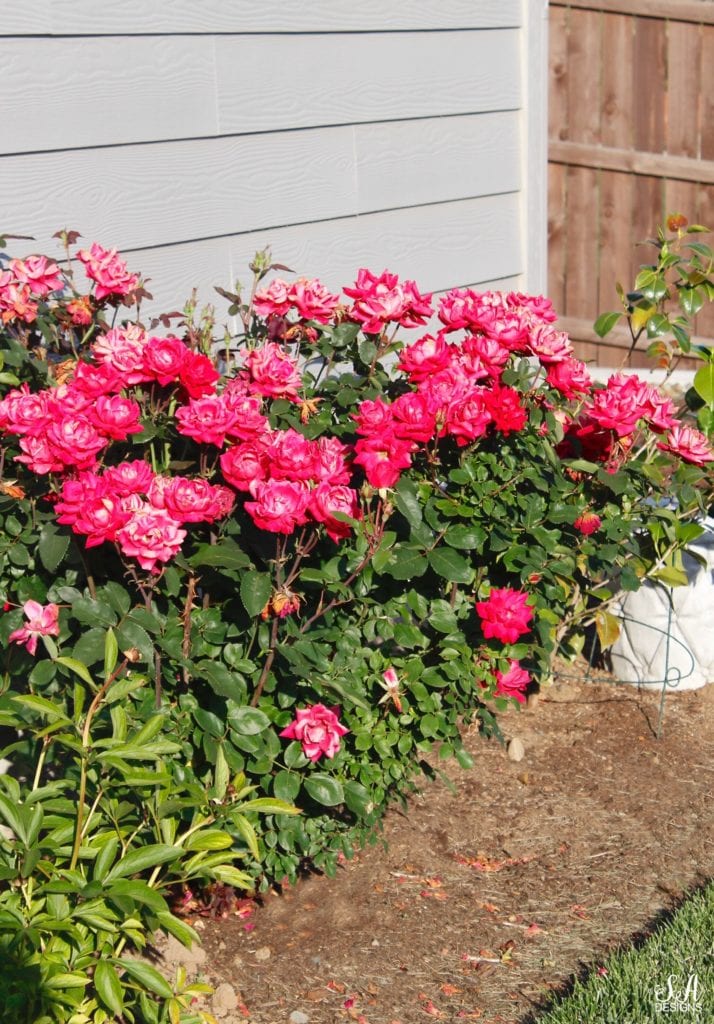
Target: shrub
x=324, y=548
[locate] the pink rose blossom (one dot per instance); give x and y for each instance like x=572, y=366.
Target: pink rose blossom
x=245, y=464
x=274, y=300
x=41, y=275
x=382, y=300
x=249, y=424
x=513, y=682
x=468, y=419
x=374, y=417
x=108, y=271
x=100, y=518
x=164, y=359
x=196, y=501
x=150, y=536
x=133, y=477
x=689, y=444
x=39, y=455
x=331, y=460
x=116, y=417
x=25, y=412
x=198, y=375
x=318, y=730
x=16, y=301
x=122, y=348
x=292, y=456
x=383, y=458
x=76, y=494
x=313, y=301
x=272, y=373
x=426, y=356
x=549, y=345
x=75, y=441
x=505, y=614
x=326, y=499
x=413, y=419
x=504, y=404
x=538, y=306
x=207, y=420
x=279, y=505
x=91, y=380
x=570, y=377
x=42, y=620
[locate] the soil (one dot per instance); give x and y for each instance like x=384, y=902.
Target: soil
x=499, y=883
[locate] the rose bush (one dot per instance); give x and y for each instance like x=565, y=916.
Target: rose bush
x=326, y=547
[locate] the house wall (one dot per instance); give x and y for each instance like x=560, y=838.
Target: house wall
x=191, y=134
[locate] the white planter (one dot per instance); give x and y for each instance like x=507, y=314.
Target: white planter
x=642, y=654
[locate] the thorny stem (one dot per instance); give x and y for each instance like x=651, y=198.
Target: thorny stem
x=268, y=663
x=186, y=620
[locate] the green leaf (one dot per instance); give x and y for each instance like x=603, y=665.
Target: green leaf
x=450, y=565
x=406, y=563
x=605, y=323
x=465, y=537
x=221, y=680
x=286, y=786
x=52, y=546
x=407, y=501
x=135, y=889
x=209, y=839
x=358, y=798
x=89, y=649
x=255, y=590
x=78, y=668
x=130, y=634
x=108, y=986
x=671, y=576
x=93, y=613
x=248, y=721
x=224, y=555
x=111, y=652
x=146, y=857
x=148, y=977
x=704, y=383
x=325, y=789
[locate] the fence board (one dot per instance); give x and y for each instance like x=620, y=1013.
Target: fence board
x=684, y=49
x=650, y=66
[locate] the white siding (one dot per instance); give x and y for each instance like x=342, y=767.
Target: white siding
x=189, y=133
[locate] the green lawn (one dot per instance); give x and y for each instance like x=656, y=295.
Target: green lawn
x=669, y=978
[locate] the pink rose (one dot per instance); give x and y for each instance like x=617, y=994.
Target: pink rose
x=272, y=373
x=689, y=444
x=39, y=455
x=426, y=356
x=42, y=620
x=91, y=380
x=196, y=501
x=505, y=614
x=318, y=730
x=587, y=523
x=100, y=518
x=274, y=300
x=570, y=377
x=25, y=412
x=122, y=348
x=108, y=271
x=292, y=456
x=484, y=357
x=16, y=301
x=207, y=420
x=279, y=506
x=413, y=420
x=75, y=441
x=374, y=417
x=383, y=459
x=245, y=464
x=331, y=460
x=537, y=305
x=150, y=536
x=505, y=407
x=133, y=477
x=326, y=499
x=39, y=274
x=468, y=419
x=249, y=424
x=77, y=493
x=164, y=359
x=198, y=375
x=513, y=682
x=313, y=301
x=382, y=300
x=116, y=417
x=549, y=345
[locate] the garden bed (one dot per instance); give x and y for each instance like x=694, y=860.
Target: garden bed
x=498, y=887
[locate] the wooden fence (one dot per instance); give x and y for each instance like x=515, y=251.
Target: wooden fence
x=631, y=139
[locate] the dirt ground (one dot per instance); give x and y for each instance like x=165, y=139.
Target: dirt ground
x=499, y=883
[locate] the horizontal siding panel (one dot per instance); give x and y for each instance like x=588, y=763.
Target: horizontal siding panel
x=135, y=17
x=143, y=196
x=64, y=93
x=436, y=160
x=437, y=246
x=360, y=78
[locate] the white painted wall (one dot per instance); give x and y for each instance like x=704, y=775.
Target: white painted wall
x=188, y=133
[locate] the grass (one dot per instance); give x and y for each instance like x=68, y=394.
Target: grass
x=631, y=986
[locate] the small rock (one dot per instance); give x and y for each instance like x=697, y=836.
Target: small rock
x=238, y=961
x=199, y=925
x=516, y=750
x=224, y=1000
x=532, y=701
x=375, y=942
x=262, y=954
x=298, y=1017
